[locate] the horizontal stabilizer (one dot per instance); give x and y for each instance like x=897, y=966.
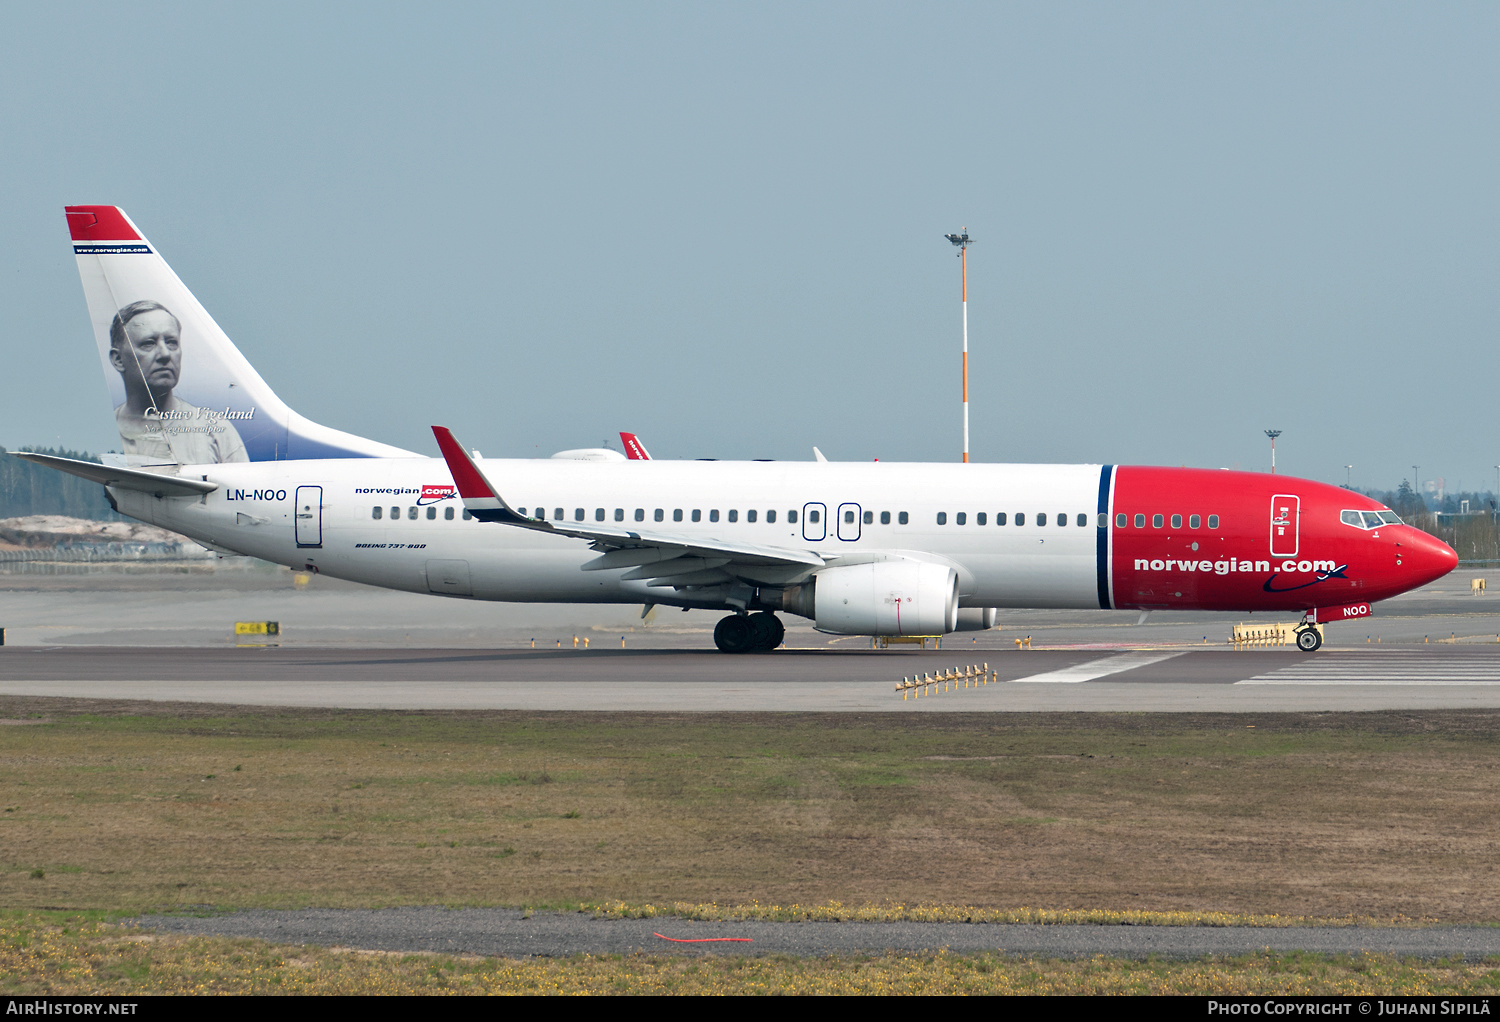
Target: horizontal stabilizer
x=154, y=483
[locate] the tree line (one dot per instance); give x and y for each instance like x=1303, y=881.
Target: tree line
x=27, y=489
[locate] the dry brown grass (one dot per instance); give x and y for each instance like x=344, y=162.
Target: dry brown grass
x=132, y=807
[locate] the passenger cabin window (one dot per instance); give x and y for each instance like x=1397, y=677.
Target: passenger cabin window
x=619, y=514
x=999, y=517
x=379, y=513
x=869, y=517
x=467, y=515
x=395, y=513
x=1140, y=521
x=1084, y=520
x=1020, y=517
x=697, y=515
x=902, y=518
x=1213, y=521
x=640, y=514
x=1177, y=521
x=578, y=514
x=848, y=517
x=771, y=517
x=713, y=515
x=431, y=513
x=734, y=515
x=791, y=517
x=1195, y=521
x=815, y=516
x=447, y=514
x=1062, y=519
x=1156, y=521
x=411, y=513
x=1104, y=520
x=1121, y=520
x=598, y=514
x=961, y=518
x=750, y=516
x=677, y=514
x=1041, y=518
x=660, y=514
x=981, y=518
x=885, y=518
x=942, y=518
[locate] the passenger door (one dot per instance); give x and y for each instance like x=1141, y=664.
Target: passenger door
x=1286, y=516
x=308, y=514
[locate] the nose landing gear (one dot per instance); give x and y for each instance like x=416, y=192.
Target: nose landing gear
x=739, y=633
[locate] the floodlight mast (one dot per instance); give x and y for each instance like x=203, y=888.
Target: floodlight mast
x=1273, y=434
x=963, y=241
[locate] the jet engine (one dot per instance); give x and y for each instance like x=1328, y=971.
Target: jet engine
x=883, y=598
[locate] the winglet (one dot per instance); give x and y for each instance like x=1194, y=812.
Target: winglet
x=479, y=497
x=634, y=449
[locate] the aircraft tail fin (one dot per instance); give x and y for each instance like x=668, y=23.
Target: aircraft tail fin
x=182, y=392
x=634, y=449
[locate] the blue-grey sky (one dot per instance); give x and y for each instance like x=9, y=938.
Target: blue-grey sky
x=720, y=225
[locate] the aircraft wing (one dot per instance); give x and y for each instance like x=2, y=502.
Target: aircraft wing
x=660, y=557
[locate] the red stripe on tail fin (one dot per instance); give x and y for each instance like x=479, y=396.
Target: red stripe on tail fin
x=470, y=481
x=634, y=449
x=99, y=223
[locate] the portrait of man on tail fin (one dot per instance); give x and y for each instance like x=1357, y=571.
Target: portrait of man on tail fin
x=145, y=348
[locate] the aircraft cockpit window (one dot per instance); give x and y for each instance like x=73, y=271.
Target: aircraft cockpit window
x=1351, y=518
x=377, y=513
x=1372, y=520
x=1390, y=518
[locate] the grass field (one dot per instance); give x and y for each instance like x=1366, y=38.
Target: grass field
x=55, y=953
x=123, y=808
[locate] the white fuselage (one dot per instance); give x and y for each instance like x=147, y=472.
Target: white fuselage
x=845, y=512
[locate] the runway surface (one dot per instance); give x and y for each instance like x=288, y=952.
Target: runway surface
x=511, y=933
x=1170, y=678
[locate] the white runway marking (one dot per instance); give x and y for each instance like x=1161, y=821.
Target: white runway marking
x=1387, y=669
x=1096, y=668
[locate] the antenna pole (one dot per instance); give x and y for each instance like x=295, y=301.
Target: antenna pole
x=963, y=241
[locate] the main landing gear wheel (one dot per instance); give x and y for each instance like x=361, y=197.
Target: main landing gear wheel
x=746, y=634
x=1308, y=640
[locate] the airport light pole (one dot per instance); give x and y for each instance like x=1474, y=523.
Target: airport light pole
x=1273, y=434
x=963, y=241
x=1348, y=470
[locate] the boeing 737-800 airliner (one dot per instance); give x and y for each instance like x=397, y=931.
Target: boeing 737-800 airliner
x=879, y=548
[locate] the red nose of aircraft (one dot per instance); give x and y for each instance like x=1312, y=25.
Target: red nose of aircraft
x=1427, y=557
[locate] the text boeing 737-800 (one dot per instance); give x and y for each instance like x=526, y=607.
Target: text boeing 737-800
x=860, y=548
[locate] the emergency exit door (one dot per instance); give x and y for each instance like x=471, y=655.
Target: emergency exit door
x=309, y=516
x=1286, y=514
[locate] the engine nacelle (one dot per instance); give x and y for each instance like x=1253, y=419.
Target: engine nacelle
x=886, y=598
x=977, y=619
